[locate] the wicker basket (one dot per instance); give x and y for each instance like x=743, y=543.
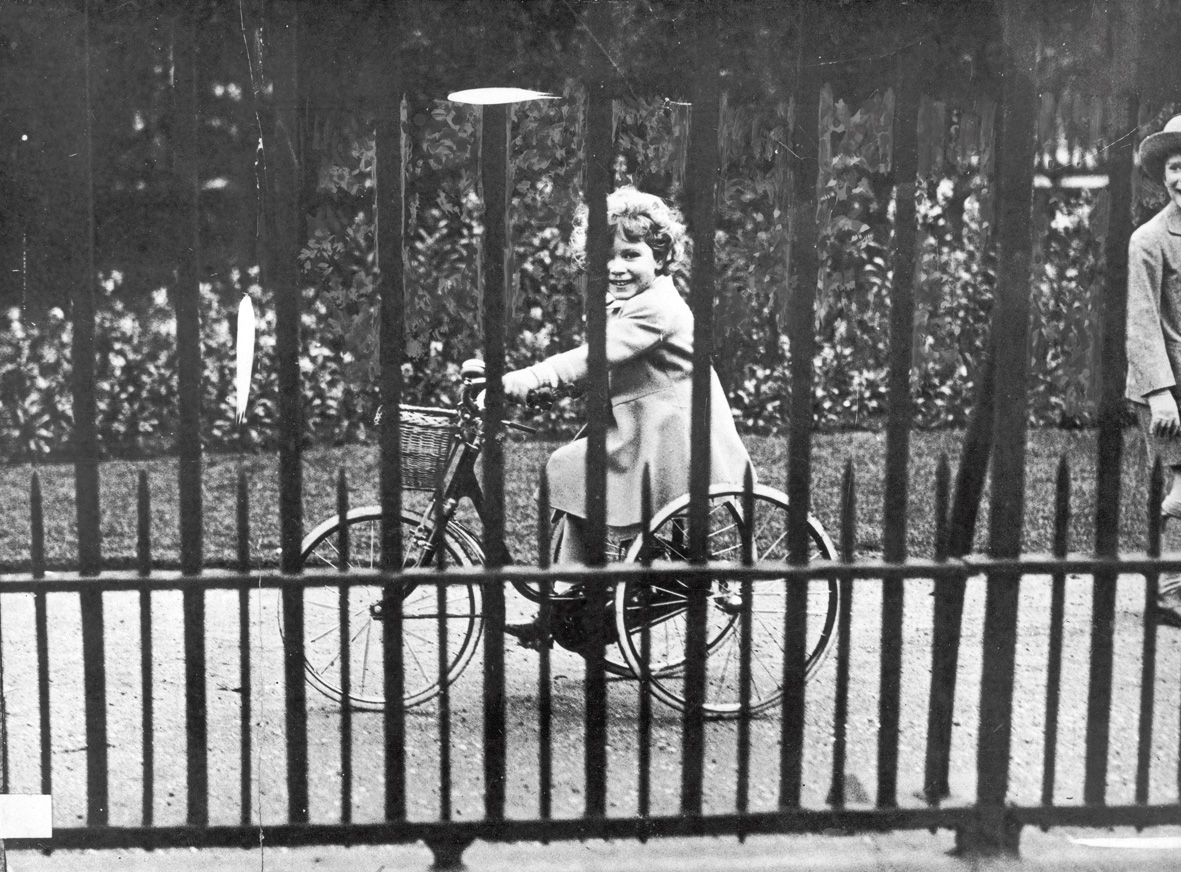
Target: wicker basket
x=425, y=441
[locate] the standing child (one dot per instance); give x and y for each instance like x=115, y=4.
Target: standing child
x=650, y=367
x=1154, y=333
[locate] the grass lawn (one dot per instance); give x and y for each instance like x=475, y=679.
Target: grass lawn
x=525, y=457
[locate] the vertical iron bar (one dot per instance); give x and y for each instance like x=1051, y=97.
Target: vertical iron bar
x=1112, y=320
x=391, y=247
x=86, y=450
x=800, y=316
x=791, y=749
x=644, y=739
x=283, y=153
x=746, y=622
x=36, y=528
x=41, y=631
x=143, y=525
x=937, y=762
x=942, y=504
x=188, y=344
x=242, y=522
x=343, y=539
x=898, y=425
x=344, y=554
x=144, y=559
x=1057, y=621
x=244, y=680
x=1148, y=655
x=187, y=293
x=283, y=225
x=394, y=689
x=495, y=176
x=1011, y=331
x=196, y=710
x=598, y=147
x=840, y=726
x=701, y=171
x=86, y=447
x=801, y=321
x=971, y=477
x=94, y=682
x=444, y=680
x=889, y=701
x=545, y=755
x=905, y=171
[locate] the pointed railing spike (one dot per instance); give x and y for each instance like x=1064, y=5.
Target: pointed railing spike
x=36, y=528
x=942, y=503
x=143, y=542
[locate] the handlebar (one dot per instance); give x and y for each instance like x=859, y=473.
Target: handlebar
x=475, y=386
x=543, y=398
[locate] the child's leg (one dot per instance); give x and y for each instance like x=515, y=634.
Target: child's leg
x=1170, y=582
x=1170, y=506
x=572, y=546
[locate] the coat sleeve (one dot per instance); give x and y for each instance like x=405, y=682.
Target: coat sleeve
x=633, y=331
x=1148, y=361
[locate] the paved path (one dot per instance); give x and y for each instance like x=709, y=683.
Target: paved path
x=903, y=852
x=121, y=621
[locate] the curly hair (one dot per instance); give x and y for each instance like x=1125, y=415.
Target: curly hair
x=641, y=218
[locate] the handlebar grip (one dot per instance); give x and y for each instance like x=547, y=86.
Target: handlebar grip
x=543, y=398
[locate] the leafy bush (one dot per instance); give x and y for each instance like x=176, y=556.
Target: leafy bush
x=136, y=351
x=135, y=379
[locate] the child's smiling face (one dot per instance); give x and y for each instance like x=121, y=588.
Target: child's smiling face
x=1173, y=177
x=632, y=267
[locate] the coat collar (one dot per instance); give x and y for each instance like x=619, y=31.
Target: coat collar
x=1173, y=218
x=662, y=283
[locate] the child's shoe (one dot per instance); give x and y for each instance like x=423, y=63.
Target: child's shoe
x=528, y=635
x=1168, y=602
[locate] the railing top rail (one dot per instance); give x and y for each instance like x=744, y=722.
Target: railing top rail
x=1029, y=564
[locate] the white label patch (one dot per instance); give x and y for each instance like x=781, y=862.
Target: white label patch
x=26, y=816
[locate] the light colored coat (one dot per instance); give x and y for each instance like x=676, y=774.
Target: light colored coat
x=1154, y=305
x=650, y=367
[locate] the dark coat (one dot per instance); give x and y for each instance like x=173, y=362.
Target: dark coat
x=650, y=366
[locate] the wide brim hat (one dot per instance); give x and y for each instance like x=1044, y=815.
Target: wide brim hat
x=1155, y=149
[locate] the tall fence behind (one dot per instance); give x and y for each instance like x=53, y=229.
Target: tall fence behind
x=209, y=735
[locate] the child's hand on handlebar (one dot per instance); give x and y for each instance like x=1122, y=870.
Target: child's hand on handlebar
x=518, y=383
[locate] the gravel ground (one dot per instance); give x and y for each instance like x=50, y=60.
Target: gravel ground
x=268, y=763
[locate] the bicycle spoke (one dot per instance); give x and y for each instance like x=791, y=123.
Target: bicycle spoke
x=726, y=663
x=336, y=655
x=716, y=553
x=414, y=657
x=329, y=606
x=763, y=552
x=365, y=657
x=327, y=632
x=316, y=554
x=721, y=531
x=762, y=664
x=776, y=637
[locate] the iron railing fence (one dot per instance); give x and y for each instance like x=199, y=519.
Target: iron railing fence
x=204, y=627
x=175, y=645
